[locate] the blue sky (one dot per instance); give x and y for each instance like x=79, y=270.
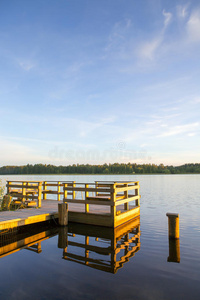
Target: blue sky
x=95, y=81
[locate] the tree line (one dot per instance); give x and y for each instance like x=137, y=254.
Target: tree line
x=116, y=168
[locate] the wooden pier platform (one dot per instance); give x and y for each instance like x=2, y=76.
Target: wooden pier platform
x=101, y=203
x=27, y=216
x=49, y=211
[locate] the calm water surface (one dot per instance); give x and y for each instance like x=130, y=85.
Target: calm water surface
x=77, y=271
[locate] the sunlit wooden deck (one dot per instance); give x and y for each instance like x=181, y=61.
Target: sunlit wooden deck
x=48, y=211
x=27, y=216
x=107, y=204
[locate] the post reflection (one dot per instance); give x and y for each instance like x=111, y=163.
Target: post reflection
x=105, y=249
x=174, y=251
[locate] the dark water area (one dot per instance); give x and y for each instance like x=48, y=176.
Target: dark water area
x=130, y=262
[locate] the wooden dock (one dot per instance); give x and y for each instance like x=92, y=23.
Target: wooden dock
x=107, y=204
x=28, y=216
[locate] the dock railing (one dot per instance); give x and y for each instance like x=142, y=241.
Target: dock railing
x=114, y=195
x=28, y=193
x=25, y=191
x=54, y=188
x=105, y=203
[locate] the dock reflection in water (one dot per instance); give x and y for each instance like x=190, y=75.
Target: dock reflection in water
x=105, y=249
x=23, y=238
x=98, y=247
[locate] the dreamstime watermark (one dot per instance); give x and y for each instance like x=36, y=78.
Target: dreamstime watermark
x=118, y=153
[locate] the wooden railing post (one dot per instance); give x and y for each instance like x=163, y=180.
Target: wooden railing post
x=86, y=195
x=65, y=191
x=126, y=205
x=113, y=199
x=137, y=202
x=44, y=189
x=23, y=191
x=58, y=184
x=96, y=186
x=8, y=187
x=39, y=194
x=73, y=192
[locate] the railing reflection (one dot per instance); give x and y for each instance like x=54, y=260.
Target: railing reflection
x=105, y=249
x=18, y=239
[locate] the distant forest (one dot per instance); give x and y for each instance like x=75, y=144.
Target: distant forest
x=115, y=168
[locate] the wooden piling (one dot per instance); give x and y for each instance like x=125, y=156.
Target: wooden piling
x=63, y=214
x=173, y=225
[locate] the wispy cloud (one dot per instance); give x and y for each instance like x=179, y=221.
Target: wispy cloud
x=149, y=48
x=193, y=26
x=182, y=11
x=26, y=65
x=118, y=39
x=181, y=129
x=168, y=17
x=196, y=100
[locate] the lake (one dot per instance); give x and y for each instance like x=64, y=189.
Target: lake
x=84, y=269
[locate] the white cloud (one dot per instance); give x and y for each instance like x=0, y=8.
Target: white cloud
x=26, y=65
x=193, y=26
x=182, y=11
x=168, y=17
x=148, y=49
x=196, y=100
x=191, y=134
x=176, y=130
x=117, y=39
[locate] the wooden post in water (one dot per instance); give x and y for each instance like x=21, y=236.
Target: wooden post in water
x=63, y=214
x=173, y=225
x=173, y=233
